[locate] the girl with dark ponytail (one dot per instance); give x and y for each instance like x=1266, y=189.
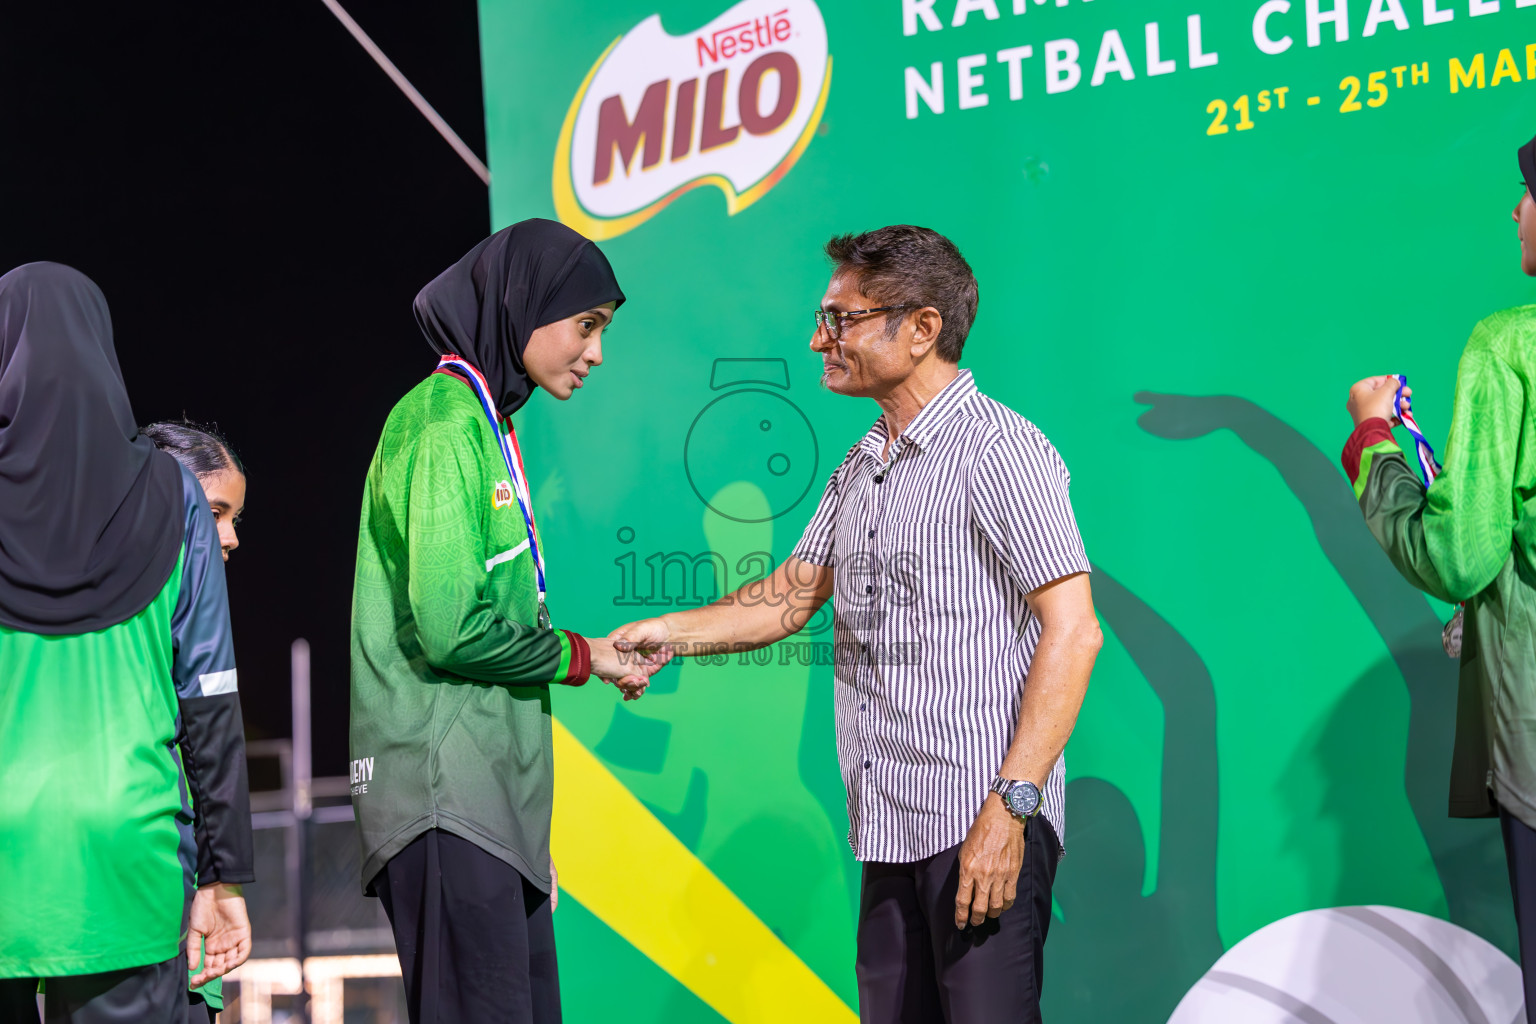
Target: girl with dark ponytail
x=208, y=456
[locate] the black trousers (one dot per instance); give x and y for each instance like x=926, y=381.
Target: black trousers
x=1520, y=852
x=156, y=994
x=915, y=967
x=475, y=938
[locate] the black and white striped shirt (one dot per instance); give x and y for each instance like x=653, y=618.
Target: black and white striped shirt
x=932, y=553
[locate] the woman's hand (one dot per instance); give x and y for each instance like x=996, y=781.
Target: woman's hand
x=220, y=932
x=1373, y=397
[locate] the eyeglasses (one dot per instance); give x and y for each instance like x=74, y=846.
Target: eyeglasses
x=835, y=321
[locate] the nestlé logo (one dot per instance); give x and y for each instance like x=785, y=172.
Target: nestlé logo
x=732, y=105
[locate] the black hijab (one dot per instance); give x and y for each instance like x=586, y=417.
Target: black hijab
x=90, y=513
x=1528, y=166
x=486, y=306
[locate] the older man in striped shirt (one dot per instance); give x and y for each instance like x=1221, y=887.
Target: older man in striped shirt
x=965, y=633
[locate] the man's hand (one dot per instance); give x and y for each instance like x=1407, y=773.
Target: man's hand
x=642, y=636
x=758, y=613
x=630, y=671
x=1372, y=398
x=221, y=930
x=990, y=859
x=554, y=886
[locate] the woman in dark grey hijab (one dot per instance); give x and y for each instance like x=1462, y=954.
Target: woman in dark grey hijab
x=90, y=512
x=487, y=305
x=122, y=756
x=1467, y=536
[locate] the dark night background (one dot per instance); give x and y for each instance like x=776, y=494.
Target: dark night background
x=260, y=204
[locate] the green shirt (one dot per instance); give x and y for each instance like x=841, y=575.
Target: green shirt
x=450, y=671
x=90, y=839
x=122, y=772
x=1472, y=537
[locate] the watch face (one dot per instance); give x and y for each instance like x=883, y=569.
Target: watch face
x=1023, y=800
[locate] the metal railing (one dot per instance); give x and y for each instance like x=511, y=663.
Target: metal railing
x=313, y=930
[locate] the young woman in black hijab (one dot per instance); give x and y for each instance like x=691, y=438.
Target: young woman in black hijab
x=453, y=651
x=114, y=652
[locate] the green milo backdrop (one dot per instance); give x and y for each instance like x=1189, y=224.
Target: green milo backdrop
x=1194, y=225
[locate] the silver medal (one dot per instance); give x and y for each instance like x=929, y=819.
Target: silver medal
x=1450, y=637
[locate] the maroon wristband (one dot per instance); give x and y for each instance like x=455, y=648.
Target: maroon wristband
x=1369, y=432
x=580, y=669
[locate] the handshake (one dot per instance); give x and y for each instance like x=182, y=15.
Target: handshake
x=630, y=655
x=757, y=615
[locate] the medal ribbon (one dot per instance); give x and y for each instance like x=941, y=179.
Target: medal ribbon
x=512, y=455
x=1429, y=466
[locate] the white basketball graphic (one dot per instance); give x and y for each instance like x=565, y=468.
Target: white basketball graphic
x=1358, y=965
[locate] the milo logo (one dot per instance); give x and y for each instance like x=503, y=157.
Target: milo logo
x=501, y=497
x=732, y=105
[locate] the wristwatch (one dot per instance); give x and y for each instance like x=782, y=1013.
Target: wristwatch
x=1021, y=797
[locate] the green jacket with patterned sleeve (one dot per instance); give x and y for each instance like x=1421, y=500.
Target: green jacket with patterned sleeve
x=450, y=671
x=1472, y=537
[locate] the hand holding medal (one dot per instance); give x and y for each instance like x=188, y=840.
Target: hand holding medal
x=1376, y=398
x=1390, y=398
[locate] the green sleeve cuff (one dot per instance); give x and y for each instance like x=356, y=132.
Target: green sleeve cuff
x=1366, y=455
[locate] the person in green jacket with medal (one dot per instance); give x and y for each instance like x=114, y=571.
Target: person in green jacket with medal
x=1470, y=537
x=453, y=652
